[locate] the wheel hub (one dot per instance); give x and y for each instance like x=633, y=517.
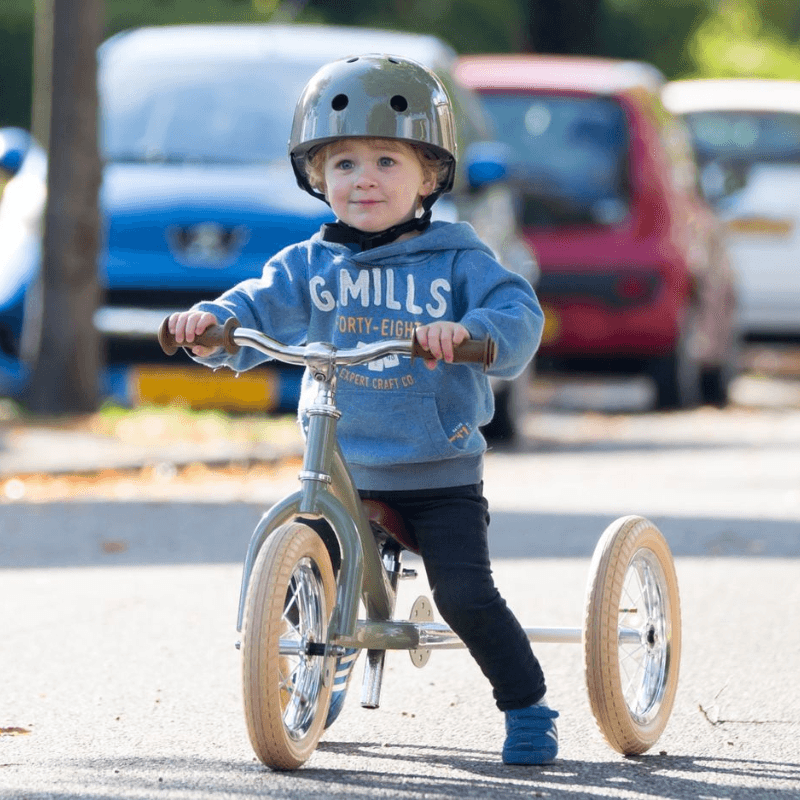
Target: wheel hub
x=650, y=636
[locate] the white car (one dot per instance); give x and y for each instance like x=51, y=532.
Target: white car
x=746, y=133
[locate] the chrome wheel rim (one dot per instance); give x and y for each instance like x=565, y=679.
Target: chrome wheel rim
x=301, y=674
x=644, y=665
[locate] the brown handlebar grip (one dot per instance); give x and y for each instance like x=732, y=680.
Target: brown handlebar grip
x=472, y=351
x=215, y=336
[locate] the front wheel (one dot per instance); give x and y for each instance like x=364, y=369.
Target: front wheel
x=632, y=634
x=290, y=599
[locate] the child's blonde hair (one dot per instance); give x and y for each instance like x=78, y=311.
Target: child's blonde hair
x=433, y=167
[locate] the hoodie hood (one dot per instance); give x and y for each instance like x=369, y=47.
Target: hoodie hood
x=439, y=237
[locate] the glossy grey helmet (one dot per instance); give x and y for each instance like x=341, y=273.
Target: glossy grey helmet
x=382, y=96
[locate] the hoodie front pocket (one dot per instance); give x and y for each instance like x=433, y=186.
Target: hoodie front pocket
x=391, y=427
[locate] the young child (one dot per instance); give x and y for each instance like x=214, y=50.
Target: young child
x=374, y=136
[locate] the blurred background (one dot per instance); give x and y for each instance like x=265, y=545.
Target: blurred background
x=681, y=37
x=633, y=207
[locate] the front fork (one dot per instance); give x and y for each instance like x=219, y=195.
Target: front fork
x=328, y=493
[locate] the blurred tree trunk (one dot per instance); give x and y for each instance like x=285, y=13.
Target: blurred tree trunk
x=66, y=367
x=42, y=70
x=564, y=27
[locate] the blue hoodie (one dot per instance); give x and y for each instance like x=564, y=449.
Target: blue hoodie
x=403, y=426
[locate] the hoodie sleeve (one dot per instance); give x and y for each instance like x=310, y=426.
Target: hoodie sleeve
x=275, y=304
x=498, y=303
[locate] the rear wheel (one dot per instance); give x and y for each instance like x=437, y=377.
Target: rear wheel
x=632, y=634
x=290, y=599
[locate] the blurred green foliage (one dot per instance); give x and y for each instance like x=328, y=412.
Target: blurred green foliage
x=681, y=37
x=16, y=61
x=749, y=39
x=658, y=32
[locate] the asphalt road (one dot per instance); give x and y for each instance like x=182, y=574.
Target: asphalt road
x=120, y=678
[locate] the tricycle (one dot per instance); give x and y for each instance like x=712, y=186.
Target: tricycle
x=320, y=554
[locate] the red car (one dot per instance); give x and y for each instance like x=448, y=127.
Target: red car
x=635, y=275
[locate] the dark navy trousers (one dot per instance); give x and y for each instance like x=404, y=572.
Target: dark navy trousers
x=450, y=527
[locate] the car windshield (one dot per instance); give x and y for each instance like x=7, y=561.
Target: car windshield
x=232, y=112
x=745, y=137
x=569, y=156
x=731, y=145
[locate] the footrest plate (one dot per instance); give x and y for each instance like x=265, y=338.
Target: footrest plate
x=421, y=611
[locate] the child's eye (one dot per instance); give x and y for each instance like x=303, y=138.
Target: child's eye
x=386, y=161
x=345, y=164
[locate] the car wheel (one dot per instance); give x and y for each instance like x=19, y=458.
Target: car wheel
x=717, y=379
x=501, y=427
x=510, y=405
x=678, y=376
x=717, y=383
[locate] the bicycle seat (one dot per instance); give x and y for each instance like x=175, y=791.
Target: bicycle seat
x=387, y=518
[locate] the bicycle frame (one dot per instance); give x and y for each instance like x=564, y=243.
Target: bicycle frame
x=327, y=492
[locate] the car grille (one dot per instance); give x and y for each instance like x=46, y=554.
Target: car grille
x=156, y=298
x=128, y=320
x=619, y=290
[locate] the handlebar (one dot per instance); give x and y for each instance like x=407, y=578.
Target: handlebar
x=231, y=336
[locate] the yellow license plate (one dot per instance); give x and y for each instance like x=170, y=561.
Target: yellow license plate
x=761, y=226
x=552, y=325
x=201, y=388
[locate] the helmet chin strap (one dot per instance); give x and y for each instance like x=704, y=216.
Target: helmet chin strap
x=341, y=233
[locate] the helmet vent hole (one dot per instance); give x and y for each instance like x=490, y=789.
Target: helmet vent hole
x=352, y=60
x=392, y=60
x=399, y=103
x=339, y=103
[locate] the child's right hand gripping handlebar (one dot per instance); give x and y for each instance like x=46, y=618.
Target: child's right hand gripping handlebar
x=474, y=351
x=213, y=336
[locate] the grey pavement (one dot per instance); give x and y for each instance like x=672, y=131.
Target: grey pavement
x=120, y=679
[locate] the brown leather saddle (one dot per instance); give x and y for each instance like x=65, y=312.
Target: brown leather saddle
x=386, y=518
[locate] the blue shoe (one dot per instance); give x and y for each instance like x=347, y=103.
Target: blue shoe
x=341, y=678
x=531, y=735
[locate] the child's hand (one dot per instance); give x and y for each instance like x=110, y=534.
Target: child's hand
x=186, y=325
x=440, y=338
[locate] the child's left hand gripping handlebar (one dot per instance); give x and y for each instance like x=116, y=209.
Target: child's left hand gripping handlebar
x=471, y=351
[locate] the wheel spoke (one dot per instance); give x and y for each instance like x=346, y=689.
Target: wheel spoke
x=302, y=615
x=292, y=607
x=644, y=666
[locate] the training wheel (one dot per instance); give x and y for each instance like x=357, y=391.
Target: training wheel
x=632, y=634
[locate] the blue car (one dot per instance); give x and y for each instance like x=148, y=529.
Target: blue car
x=198, y=193
x=23, y=194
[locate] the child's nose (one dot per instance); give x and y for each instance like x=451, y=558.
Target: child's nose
x=365, y=177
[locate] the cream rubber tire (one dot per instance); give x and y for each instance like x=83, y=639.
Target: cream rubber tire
x=632, y=679
x=290, y=598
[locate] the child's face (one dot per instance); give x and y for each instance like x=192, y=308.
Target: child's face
x=372, y=186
